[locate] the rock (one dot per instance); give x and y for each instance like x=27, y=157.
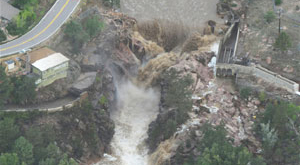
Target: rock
x=256, y=102
x=84, y=82
x=244, y=112
x=194, y=78
x=199, y=85
x=250, y=105
x=288, y=69
x=81, y=125
x=204, y=109
x=269, y=60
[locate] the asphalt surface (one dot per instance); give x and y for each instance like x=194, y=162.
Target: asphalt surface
x=49, y=24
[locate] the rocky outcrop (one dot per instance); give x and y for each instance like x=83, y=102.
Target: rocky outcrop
x=214, y=102
x=104, y=89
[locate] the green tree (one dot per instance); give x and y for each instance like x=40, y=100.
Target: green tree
x=283, y=145
x=48, y=161
x=283, y=42
x=112, y=3
x=76, y=35
x=53, y=154
x=9, y=159
x=22, y=22
x=23, y=148
x=5, y=87
x=278, y=2
x=93, y=26
x=177, y=97
x=41, y=137
x=23, y=90
x=2, y=36
x=8, y=134
x=269, y=16
x=21, y=4
x=217, y=150
x=178, y=94
x=66, y=161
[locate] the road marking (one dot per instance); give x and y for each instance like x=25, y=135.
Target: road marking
x=61, y=10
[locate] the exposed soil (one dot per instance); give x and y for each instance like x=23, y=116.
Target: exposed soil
x=258, y=37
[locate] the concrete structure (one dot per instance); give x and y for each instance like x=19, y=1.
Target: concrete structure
x=227, y=64
x=46, y=65
x=228, y=45
x=227, y=70
x=50, y=68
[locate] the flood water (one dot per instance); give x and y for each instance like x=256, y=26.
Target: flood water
x=192, y=13
x=137, y=108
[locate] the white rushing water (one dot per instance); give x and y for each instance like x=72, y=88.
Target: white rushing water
x=137, y=108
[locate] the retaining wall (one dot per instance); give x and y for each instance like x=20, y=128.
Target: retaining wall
x=260, y=72
x=71, y=104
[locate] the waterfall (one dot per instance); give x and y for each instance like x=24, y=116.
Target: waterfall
x=137, y=107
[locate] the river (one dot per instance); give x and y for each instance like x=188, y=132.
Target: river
x=136, y=108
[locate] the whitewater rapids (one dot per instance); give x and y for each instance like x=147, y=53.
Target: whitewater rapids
x=137, y=107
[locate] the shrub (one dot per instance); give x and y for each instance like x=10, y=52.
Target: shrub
x=103, y=100
x=2, y=36
x=112, y=3
x=278, y=2
x=269, y=16
x=226, y=1
x=262, y=96
x=93, y=26
x=245, y=93
x=283, y=41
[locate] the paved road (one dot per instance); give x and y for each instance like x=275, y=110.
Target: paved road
x=50, y=23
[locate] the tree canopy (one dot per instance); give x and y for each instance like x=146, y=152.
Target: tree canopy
x=216, y=149
x=9, y=132
x=5, y=87
x=279, y=130
x=23, y=148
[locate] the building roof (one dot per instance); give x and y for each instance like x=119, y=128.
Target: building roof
x=50, y=61
x=38, y=54
x=7, y=11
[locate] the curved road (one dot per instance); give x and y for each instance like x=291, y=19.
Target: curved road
x=49, y=24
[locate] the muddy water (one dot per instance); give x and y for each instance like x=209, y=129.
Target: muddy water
x=192, y=13
x=137, y=107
